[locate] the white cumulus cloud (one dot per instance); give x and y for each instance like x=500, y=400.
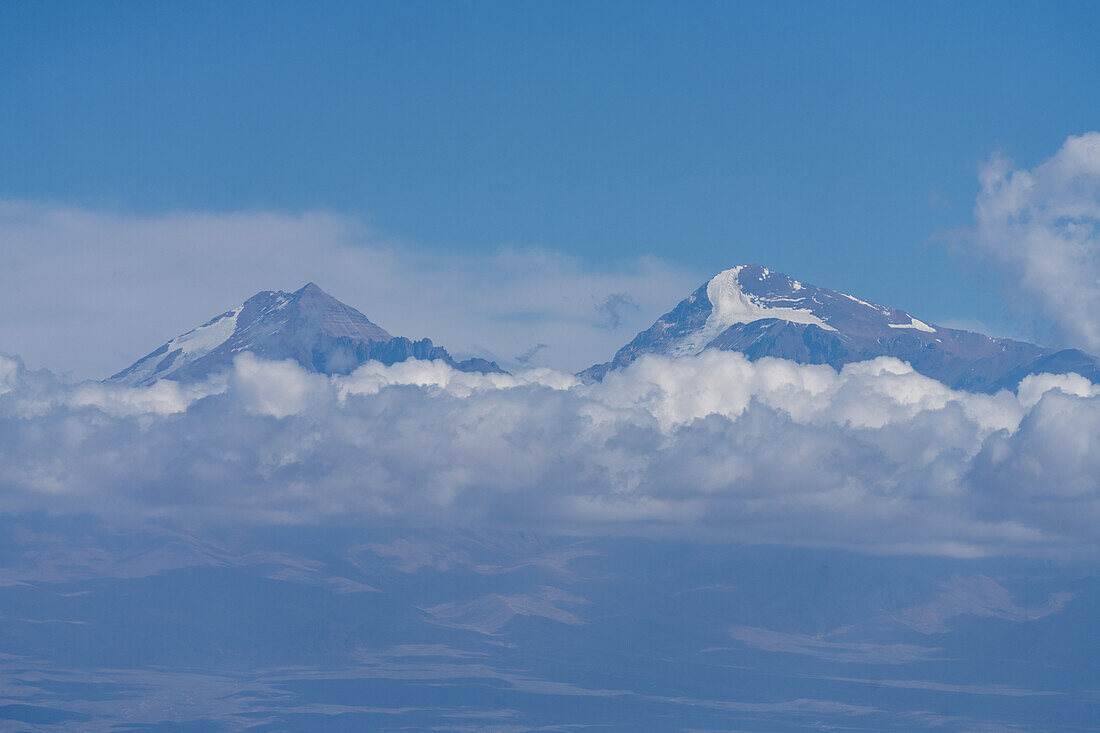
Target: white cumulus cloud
x=873, y=457
x=1042, y=226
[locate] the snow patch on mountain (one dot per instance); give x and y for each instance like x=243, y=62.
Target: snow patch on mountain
x=187, y=348
x=207, y=337
x=731, y=305
x=914, y=324
x=862, y=302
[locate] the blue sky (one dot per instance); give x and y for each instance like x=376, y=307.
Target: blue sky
x=831, y=141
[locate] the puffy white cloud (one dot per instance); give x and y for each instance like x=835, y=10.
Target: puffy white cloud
x=1033, y=387
x=874, y=456
x=162, y=398
x=94, y=290
x=1043, y=227
x=9, y=371
x=374, y=376
x=276, y=388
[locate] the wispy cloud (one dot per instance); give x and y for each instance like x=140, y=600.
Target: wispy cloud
x=526, y=357
x=823, y=648
x=91, y=291
x=615, y=308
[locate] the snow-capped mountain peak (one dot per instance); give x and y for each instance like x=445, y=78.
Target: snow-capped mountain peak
x=308, y=326
x=731, y=303
x=756, y=311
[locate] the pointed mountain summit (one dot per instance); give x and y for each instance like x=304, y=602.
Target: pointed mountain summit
x=308, y=326
x=761, y=313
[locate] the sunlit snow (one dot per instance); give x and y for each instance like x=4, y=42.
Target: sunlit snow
x=732, y=305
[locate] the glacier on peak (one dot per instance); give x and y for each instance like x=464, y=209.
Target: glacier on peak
x=208, y=336
x=730, y=305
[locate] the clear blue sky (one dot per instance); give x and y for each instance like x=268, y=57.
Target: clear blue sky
x=826, y=140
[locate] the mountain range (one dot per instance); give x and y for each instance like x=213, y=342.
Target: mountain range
x=748, y=308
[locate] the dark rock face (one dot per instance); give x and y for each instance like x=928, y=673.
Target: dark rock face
x=309, y=327
x=343, y=355
x=762, y=313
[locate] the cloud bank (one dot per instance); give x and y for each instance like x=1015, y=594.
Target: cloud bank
x=93, y=291
x=1042, y=227
x=873, y=457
